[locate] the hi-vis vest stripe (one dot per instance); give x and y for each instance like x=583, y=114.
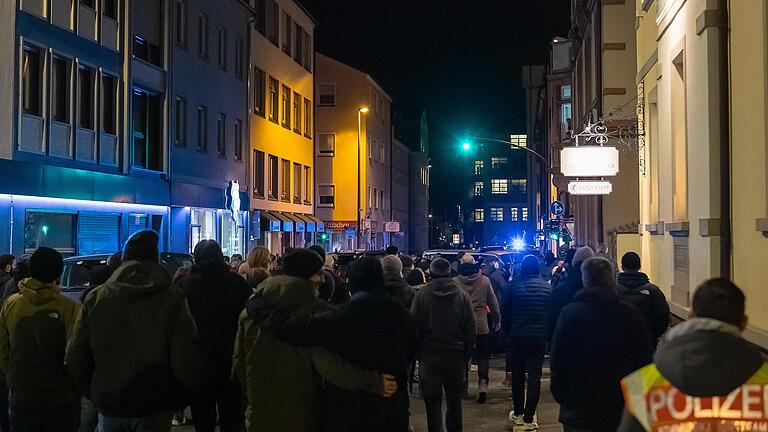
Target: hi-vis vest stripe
x=660, y=407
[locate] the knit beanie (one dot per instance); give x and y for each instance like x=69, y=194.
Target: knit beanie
x=142, y=246
x=208, y=250
x=319, y=250
x=303, y=263
x=46, y=264
x=582, y=254
x=440, y=268
x=392, y=264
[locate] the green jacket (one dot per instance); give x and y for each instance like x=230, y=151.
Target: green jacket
x=35, y=326
x=135, y=349
x=283, y=383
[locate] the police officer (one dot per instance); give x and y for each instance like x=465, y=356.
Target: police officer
x=706, y=376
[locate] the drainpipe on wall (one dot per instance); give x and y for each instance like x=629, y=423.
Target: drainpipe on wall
x=598, y=32
x=725, y=144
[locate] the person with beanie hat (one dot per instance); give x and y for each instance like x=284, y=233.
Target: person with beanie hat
x=35, y=327
x=446, y=335
x=215, y=296
x=524, y=312
x=332, y=288
x=284, y=382
x=135, y=351
x=487, y=317
x=563, y=292
x=394, y=283
x=636, y=289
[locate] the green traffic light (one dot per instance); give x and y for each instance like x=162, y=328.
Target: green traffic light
x=466, y=146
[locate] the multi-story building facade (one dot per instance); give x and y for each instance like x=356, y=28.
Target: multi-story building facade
x=353, y=156
x=282, y=126
x=499, y=202
x=400, y=192
x=419, y=217
x=90, y=126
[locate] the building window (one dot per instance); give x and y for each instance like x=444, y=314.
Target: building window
x=54, y=230
x=60, y=89
x=273, y=22
x=202, y=35
x=286, y=111
x=287, y=32
x=518, y=141
x=478, y=167
x=221, y=134
x=222, y=55
x=326, y=144
x=498, y=162
x=514, y=214
x=274, y=100
x=519, y=186
x=566, y=121
x=307, y=185
x=307, y=118
x=238, y=140
x=382, y=154
x=259, y=91
x=374, y=204
x=478, y=188
x=499, y=186
x=258, y=174
x=306, y=60
x=202, y=128
x=297, y=183
x=85, y=100
x=110, y=9
x=180, y=127
x=565, y=92
x=525, y=214
x=381, y=198
x=274, y=177
x=203, y=225
x=298, y=49
x=285, y=172
x=297, y=113
x=147, y=130
x=145, y=50
x=238, y=58
x=327, y=195
x=326, y=94
x=497, y=214
x=108, y=104
x=260, y=6
x=180, y=14
x=479, y=215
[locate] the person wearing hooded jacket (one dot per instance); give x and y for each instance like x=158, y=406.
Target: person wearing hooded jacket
x=215, y=296
x=487, y=317
x=524, y=310
x=564, y=292
x=636, y=289
x=446, y=335
x=703, y=363
x=35, y=326
x=394, y=283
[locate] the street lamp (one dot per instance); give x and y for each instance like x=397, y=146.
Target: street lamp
x=360, y=112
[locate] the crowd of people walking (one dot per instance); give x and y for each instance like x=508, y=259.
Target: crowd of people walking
x=291, y=343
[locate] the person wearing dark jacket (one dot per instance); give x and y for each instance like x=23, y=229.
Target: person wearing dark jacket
x=704, y=362
x=20, y=273
x=563, y=292
x=524, y=311
x=636, y=289
x=7, y=264
x=215, y=296
x=598, y=341
x=445, y=334
x=35, y=326
x=394, y=283
x=134, y=353
x=372, y=330
x=490, y=268
x=332, y=288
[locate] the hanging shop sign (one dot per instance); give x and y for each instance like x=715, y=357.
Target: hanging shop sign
x=340, y=225
x=233, y=198
x=392, y=227
x=590, y=188
x=589, y=161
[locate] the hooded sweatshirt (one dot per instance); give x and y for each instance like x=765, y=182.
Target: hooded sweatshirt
x=636, y=289
x=135, y=349
x=445, y=320
x=35, y=326
x=483, y=299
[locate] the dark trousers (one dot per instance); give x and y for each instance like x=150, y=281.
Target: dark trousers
x=223, y=402
x=438, y=373
x=527, y=360
x=65, y=419
x=482, y=356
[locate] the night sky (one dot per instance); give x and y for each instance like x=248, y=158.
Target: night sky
x=459, y=60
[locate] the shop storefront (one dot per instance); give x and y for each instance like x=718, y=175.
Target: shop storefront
x=224, y=226
x=278, y=231
x=341, y=235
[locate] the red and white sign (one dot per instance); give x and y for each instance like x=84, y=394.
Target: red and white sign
x=391, y=227
x=340, y=225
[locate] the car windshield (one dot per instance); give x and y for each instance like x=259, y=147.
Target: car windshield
x=76, y=273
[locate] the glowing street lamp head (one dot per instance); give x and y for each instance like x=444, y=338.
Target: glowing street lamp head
x=364, y=110
x=466, y=146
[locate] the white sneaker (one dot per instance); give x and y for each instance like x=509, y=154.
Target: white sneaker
x=532, y=426
x=516, y=420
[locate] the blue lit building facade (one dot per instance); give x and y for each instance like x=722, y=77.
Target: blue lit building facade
x=117, y=116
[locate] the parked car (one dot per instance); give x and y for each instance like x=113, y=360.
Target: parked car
x=74, y=279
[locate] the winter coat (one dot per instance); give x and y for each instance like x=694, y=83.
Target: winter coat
x=703, y=357
x=333, y=290
x=216, y=297
x=598, y=341
x=525, y=307
x=483, y=300
x=135, y=349
x=635, y=289
x=372, y=330
x=35, y=327
x=5, y=277
x=398, y=288
x=563, y=294
x=283, y=383
x=498, y=282
x=445, y=320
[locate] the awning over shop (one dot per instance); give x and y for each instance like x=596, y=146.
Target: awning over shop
x=269, y=222
x=297, y=221
x=319, y=225
x=287, y=224
x=310, y=225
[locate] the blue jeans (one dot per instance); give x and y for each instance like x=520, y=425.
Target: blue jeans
x=65, y=419
x=155, y=423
